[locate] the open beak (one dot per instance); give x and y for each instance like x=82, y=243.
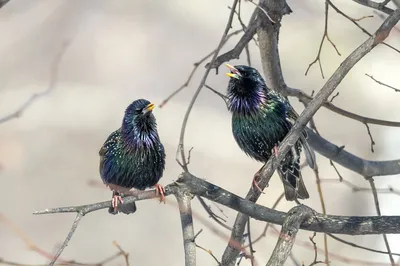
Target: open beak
x=234, y=72
x=148, y=108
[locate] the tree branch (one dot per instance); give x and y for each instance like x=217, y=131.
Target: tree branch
x=304, y=98
x=375, y=5
x=181, y=146
x=237, y=50
x=52, y=85
x=297, y=216
x=185, y=211
x=266, y=172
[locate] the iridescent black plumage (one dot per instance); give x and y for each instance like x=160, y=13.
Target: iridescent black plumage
x=133, y=156
x=261, y=119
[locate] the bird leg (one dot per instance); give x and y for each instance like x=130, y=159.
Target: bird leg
x=160, y=191
x=116, y=198
x=255, y=182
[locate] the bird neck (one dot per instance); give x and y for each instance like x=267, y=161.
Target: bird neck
x=142, y=134
x=246, y=102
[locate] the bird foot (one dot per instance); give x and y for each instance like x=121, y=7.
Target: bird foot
x=276, y=150
x=115, y=200
x=160, y=191
x=255, y=182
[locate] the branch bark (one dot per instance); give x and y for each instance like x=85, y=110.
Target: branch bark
x=295, y=217
x=185, y=211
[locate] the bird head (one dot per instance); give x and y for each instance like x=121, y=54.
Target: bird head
x=139, y=117
x=246, y=88
x=244, y=77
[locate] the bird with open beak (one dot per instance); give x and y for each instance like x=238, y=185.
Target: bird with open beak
x=261, y=119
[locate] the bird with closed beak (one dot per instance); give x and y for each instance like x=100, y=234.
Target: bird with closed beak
x=133, y=156
x=261, y=119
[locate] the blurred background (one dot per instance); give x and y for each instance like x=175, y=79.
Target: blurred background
x=123, y=50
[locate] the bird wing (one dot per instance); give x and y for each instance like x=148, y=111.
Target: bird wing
x=292, y=116
x=110, y=141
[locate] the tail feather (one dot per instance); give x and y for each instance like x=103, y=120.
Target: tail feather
x=290, y=174
x=308, y=151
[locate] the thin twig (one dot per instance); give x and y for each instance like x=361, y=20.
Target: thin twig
x=315, y=262
x=324, y=36
x=383, y=84
x=321, y=198
x=303, y=97
x=378, y=211
x=355, y=188
x=75, y=224
x=196, y=66
x=54, y=67
x=250, y=242
x=125, y=254
x=360, y=247
x=336, y=170
x=264, y=233
x=333, y=97
x=181, y=146
x=370, y=137
x=358, y=25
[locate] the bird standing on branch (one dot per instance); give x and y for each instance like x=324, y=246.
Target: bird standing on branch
x=133, y=156
x=261, y=119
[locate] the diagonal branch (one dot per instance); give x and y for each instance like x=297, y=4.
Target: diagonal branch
x=380, y=35
x=375, y=5
x=237, y=50
x=304, y=98
x=383, y=84
x=185, y=211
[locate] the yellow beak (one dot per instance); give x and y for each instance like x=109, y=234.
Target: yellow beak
x=234, y=72
x=149, y=108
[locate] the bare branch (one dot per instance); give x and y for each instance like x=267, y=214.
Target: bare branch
x=303, y=97
x=3, y=3
x=237, y=50
x=378, y=6
x=381, y=83
x=185, y=211
x=360, y=247
x=196, y=66
x=378, y=211
x=358, y=25
x=336, y=170
x=197, y=186
x=324, y=36
x=370, y=137
x=123, y=253
x=52, y=85
x=202, y=82
x=315, y=262
x=297, y=216
x=75, y=224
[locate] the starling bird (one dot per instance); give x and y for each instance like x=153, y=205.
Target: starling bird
x=133, y=156
x=261, y=119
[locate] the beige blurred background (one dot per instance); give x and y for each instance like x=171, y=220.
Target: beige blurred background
x=123, y=50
